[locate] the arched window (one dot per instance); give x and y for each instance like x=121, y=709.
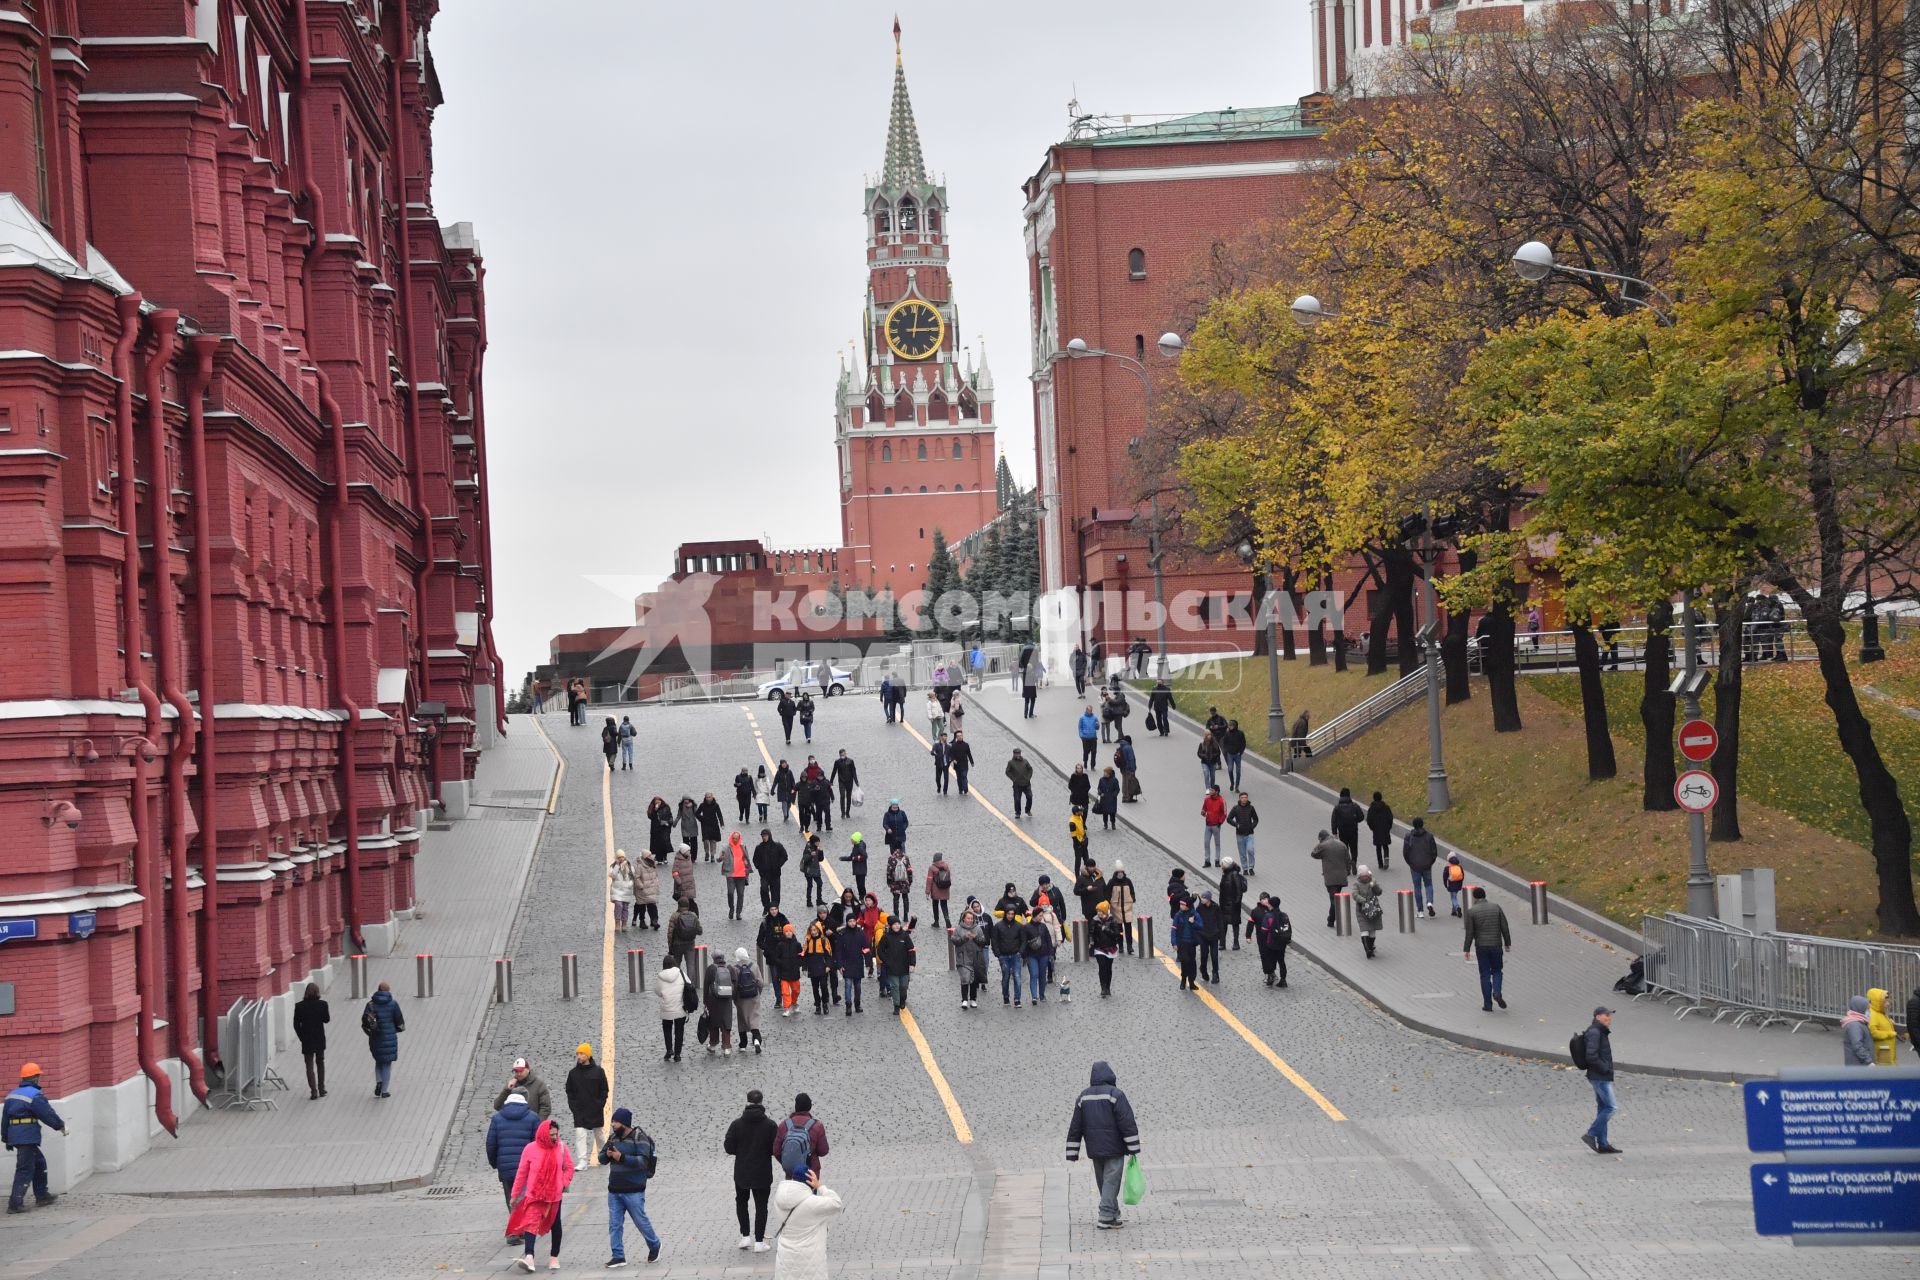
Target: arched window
x=969, y=406
x=923, y=488
x=903, y=408
x=933, y=217
x=882, y=221
x=936, y=407
x=1136, y=264
x=886, y=453
x=923, y=451
x=888, y=489
x=909, y=215
x=923, y=531
x=956, y=454
x=876, y=410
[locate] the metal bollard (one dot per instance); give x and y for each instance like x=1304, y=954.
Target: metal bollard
x=357, y=967
x=699, y=973
x=1143, y=925
x=1537, y=890
x=423, y=975
x=1080, y=942
x=503, y=981
x=1408, y=911
x=1343, y=917
x=636, y=970
x=569, y=975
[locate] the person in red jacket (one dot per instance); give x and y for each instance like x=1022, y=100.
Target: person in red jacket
x=1213, y=811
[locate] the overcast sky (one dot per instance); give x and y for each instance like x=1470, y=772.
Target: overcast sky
x=668, y=198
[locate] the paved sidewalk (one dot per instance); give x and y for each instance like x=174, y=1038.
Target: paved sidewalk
x=1555, y=974
x=469, y=880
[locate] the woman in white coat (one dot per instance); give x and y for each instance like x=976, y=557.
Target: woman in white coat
x=803, y=1210
x=670, y=986
x=620, y=889
x=936, y=716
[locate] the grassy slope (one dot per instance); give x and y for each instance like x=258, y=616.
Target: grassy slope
x=1239, y=689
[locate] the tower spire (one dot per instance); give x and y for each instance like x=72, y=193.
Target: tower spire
x=904, y=166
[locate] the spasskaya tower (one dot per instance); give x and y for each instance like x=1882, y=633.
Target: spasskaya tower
x=914, y=425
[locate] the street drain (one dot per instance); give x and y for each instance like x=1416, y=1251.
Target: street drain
x=440, y=1193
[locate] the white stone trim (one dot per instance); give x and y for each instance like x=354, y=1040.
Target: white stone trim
x=58, y=902
x=1185, y=172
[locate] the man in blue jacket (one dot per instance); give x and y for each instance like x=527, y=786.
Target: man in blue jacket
x=1089, y=736
x=26, y=1110
x=1103, y=1119
x=512, y=1128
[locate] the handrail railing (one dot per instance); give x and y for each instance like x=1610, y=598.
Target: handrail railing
x=1363, y=715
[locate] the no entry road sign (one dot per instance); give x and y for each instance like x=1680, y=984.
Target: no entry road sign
x=1699, y=740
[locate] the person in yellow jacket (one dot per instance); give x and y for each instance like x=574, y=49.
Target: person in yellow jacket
x=1880, y=1027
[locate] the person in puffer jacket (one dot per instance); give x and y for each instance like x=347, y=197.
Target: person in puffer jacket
x=1103, y=1120
x=508, y=1133
x=1856, y=1045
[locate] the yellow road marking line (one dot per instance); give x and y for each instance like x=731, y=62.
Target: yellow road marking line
x=560, y=774
x=826, y=858
x=961, y=1130
x=607, y=1045
x=1260, y=1046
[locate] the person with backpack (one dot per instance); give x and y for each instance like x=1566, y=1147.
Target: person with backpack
x=940, y=888
x=632, y=1160
x=811, y=856
x=749, y=1141
x=627, y=735
x=610, y=742
x=1380, y=823
x=1103, y=1120
x=587, y=1101
x=383, y=1022
x=1105, y=939
x=717, y=992
x=1453, y=877
x=856, y=860
x=1128, y=764
x=1592, y=1052
x=851, y=949
x=1488, y=939
x=1272, y=932
x=683, y=930
x=737, y=868
x=897, y=956
x=816, y=957
x=900, y=880
x=1367, y=910
x=970, y=957
x=769, y=857
x=746, y=1000
x=801, y=1140
x=1233, y=892
x=960, y=756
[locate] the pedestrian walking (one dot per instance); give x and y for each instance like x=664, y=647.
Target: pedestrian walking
x=940, y=888
x=610, y=741
x=969, y=939
x=897, y=957
x=1213, y=931
x=1089, y=735
x=1208, y=753
x=936, y=715
x=769, y=859
x=1347, y=817
x=1008, y=938
x=310, y=1018
x=746, y=1000
x=683, y=885
x=539, y=1189
x=1596, y=1056
x=25, y=1111
x=1298, y=737
x=1103, y=1122
x=1488, y=940
x=762, y=792
x=383, y=1022
x=1213, y=816
x=1233, y=893
x=1020, y=774
x=646, y=892
x=816, y=960
x=736, y=866
x=942, y=755
x=1160, y=707
x=684, y=930
x=1367, y=909
x=1032, y=672
x=689, y=816
x=1418, y=851
x=587, y=1101
x=804, y=713
x=801, y=1140
x=852, y=949
x=1043, y=943
x=1129, y=766
x=1233, y=748
x=784, y=961
x=811, y=858
x=900, y=879
x=620, y=890
x=749, y=1141
x=765, y=939
x=1336, y=865
x=960, y=756
x=522, y=1080
x=845, y=776
x=1107, y=803
x=856, y=860
x=1077, y=836
x=1105, y=940
x=711, y=822
x=1077, y=663
x=1184, y=930
x=893, y=826
x=631, y=1159
x=786, y=710
x=716, y=993
x=627, y=735
x=806, y=1207
x=1272, y=933
x=660, y=828
x=672, y=989
x=956, y=714
x=886, y=696
x=1454, y=877
x=1120, y=892
x=784, y=787
x=1244, y=819
x=1079, y=787
x=743, y=793
x=1090, y=887
x=510, y=1132
x=1380, y=823
x=1856, y=1040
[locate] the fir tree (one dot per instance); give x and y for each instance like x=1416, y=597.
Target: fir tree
x=1005, y=490
x=942, y=577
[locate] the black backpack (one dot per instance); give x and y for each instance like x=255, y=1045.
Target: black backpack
x=1577, y=1049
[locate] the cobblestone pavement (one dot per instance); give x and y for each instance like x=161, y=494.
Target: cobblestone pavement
x=1449, y=1162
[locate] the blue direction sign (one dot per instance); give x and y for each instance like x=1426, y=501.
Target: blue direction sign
x=18, y=930
x=1861, y=1111
x=80, y=924
x=1836, y=1199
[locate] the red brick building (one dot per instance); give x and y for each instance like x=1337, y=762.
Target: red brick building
x=245, y=594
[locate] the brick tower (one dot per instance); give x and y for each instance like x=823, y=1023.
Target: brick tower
x=914, y=429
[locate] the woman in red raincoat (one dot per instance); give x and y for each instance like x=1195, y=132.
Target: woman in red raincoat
x=546, y=1169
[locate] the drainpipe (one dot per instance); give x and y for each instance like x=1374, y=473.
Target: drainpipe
x=164, y=326
x=209, y=777
x=337, y=428
x=146, y=960
x=402, y=49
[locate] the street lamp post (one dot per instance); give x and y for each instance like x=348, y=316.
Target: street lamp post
x=1276, y=718
x=1439, y=797
x=1170, y=346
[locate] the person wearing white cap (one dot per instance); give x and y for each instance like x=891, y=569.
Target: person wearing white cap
x=529, y=1086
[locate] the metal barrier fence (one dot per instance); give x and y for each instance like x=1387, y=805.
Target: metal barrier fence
x=1705, y=966
x=246, y=1050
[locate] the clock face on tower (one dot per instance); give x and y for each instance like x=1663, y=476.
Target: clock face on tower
x=914, y=329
